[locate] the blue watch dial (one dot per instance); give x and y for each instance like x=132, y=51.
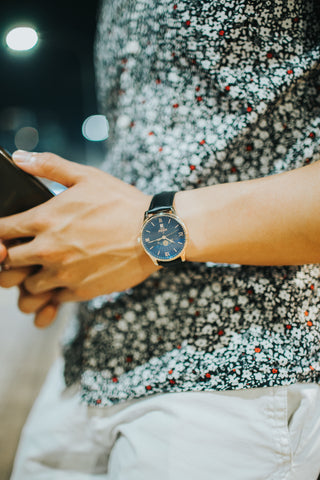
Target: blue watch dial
x=163, y=236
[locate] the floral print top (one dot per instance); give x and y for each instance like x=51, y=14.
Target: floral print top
x=196, y=94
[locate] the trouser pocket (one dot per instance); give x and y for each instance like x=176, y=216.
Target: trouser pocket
x=303, y=420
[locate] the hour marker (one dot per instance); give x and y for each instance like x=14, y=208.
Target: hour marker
x=166, y=254
x=176, y=226
x=169, y=220
x=147, y=239
x=152, y=224
x=152, y=247
x=180, y=243
x=175, y=250
x=158, y=253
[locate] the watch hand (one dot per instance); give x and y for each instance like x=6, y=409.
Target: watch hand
x=171, y=233
x=157, y=239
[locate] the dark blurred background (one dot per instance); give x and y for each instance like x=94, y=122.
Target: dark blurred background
x=49, y=91
x=46, y=94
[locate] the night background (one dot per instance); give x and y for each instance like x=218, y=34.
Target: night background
x=50, y=88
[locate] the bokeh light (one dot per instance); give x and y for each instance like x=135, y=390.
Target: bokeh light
x=22, y=38
x=95, y=128
x=27, y=138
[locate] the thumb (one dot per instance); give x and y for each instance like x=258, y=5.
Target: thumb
x=49, y=166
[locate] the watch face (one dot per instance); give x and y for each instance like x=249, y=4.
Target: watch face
x=163, y=236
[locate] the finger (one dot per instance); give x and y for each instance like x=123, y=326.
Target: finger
x=23, y=255
x=49, y=166
x=42, y=281
x=46, y=315
x=32, y=303
x=14, y=277
x=24, y=225
x=21, y=225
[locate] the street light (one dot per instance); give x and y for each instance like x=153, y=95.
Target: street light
x=22, y=38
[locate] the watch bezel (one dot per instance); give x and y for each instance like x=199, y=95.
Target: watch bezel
x=167, y=213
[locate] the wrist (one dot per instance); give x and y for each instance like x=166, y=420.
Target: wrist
x=187, y=209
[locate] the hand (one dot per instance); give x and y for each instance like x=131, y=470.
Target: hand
x=44, y=309
x=85, y=239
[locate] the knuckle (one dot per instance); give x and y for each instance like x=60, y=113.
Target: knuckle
x=40, y=221
x=45, y=254
x=47, y=160
x=64, y=277
x=42, y=254
x=45, y=157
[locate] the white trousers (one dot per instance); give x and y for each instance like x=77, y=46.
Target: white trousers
x=256, y=434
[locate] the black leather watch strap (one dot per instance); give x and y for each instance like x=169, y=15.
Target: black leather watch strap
x=161, y=201
x=170, y=263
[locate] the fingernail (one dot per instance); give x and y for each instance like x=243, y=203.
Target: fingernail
x=21, y=156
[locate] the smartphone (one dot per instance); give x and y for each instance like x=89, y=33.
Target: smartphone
x=19, y=191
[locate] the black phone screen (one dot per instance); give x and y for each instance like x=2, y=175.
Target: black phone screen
x=19, y=191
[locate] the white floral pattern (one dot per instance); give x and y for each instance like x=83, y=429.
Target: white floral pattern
x=201, y=93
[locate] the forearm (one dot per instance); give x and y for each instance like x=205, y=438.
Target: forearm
x=273, y=220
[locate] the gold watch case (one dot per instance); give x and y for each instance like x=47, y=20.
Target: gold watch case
x=168, y=214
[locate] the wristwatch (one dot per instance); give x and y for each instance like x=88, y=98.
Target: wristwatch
x=163, y=235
